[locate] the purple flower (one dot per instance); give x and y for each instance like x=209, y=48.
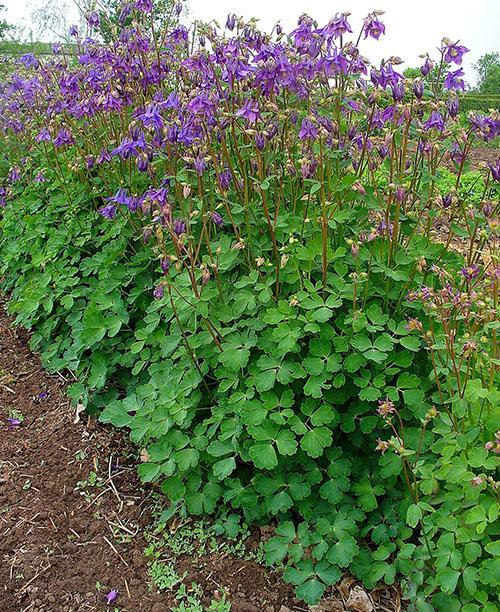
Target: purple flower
x=495, y=170
x=151, y=117
x=231, y=21
x=43, y=395
x=122, y=197
x=485, y=127
x=165, y=264
x=373, y=27
x=456, y=154
x=454, y=53
x=453, y=80
x=179, y=227
x=308, y=130
x=260, y=141
x=249, y=111
x=427, y=67
x=93, y=20
x=336, y=27
x=43, y=135
x=446, y=200
x=159, y=292
x=418, y=89
x=29, y=60
x=108, y=211
x=13, y=422
x=14, y=174
x=225, y=179
x=453, y=107
x=470, y=272
x=435, y=122
x=63, y=137
x=217, y=218
x=73, y=31
x=398, y=91
x=111, y=596
x=178, y=8
x=199, y=164
x=145, y=6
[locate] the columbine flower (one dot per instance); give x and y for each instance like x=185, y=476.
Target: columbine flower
x=225, y=179
x=231, y=21
x=418, y=89
x=179, y=227
x=336, y=27
x=217, y=218
x=63, y=137
x=435, y=122
x=382, y=445
x=249, y=111
x=373, y=27
x=14, y=174
x=260, y=141
x=145, y=6
x=453, y=107
x=159, y=292
x=73, y=31
x=484, y=126
x=108, y=211
x=29, y=60
x=414, y=325
x=386, y=407
x=495, y=170
x=470, y=272
x=93, y=20
x=446, y=200
x=427, y=67
x=308, y=130
x=111, y=596
x=454, y=53
x=453, y=80
x=165, y=264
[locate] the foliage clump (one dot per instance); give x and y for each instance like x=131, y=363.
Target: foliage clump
x=229, y=237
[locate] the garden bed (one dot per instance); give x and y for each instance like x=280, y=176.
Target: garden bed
x=72, y=531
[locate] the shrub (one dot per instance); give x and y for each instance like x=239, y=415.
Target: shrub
x=261, y=303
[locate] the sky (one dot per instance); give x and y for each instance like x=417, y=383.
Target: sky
x=412, y=27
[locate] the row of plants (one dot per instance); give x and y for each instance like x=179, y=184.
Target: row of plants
x=230, y=239
x=479, y=102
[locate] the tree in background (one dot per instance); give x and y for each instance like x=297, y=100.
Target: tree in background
x=113, y=15
x=5, y=27
x=488, y=69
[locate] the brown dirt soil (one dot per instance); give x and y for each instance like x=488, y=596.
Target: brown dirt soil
x=59, y=535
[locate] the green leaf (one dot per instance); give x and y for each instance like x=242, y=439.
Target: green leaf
x=263, y=455
x=412, y=343
x=413, y=515
x=115, y=414
x=234, y=358
x=224, y=467
x=343, y=552
x=286, y=442
x=447, y=579
x=315, y=441
x=311, y=591
x=148, y=471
